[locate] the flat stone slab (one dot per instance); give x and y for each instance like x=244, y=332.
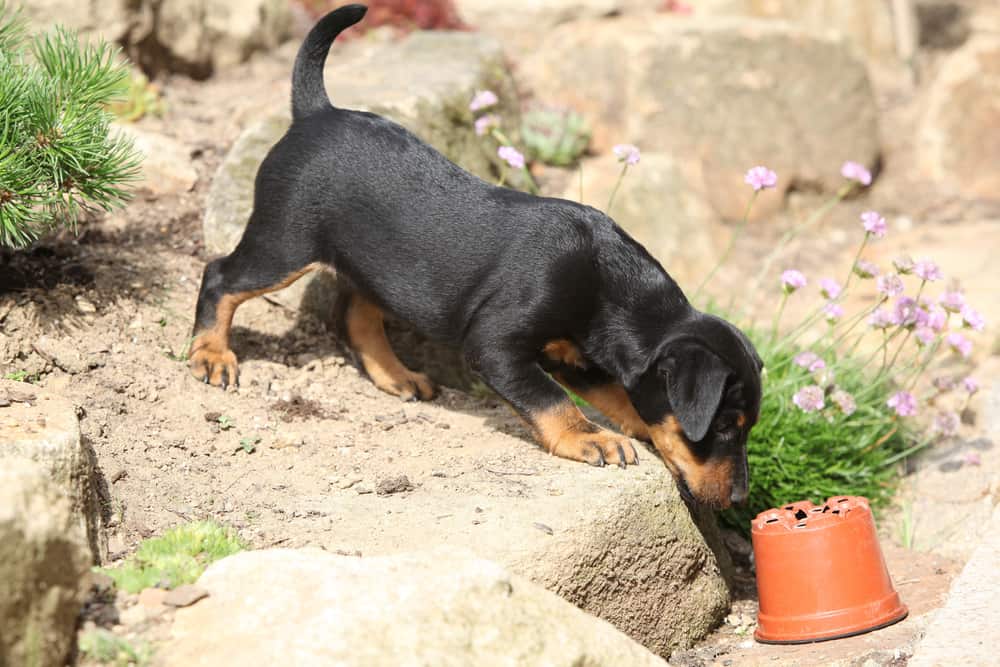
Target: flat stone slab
x=441, y=607
x=965, y=631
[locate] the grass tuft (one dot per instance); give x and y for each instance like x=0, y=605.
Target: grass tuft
x=795, y=455
x=106, y=648
x=177, y=557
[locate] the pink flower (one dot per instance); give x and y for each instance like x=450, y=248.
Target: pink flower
x=511, y=156
x=952, y=301
x=927, y=270
x=904, y=313
x=792, y=280
x=970, y=385
x=937, y=318
x=809, y=398
x=972, y=459
x=880, y=319
x=890, y=284
x=829, y=288
x=678, y=7
x=627, y=153
x=946, y=423
x=873, y=223
x=972, y=319
x=486, y=123
x=483, y=99
x=856, y=172
x=903, y=403
x=925, y=335
x=865, y=269
x=760, y=178
x=960, y=344
x=809, y=360
x=833, y=312
x=844, y=401
x=903, y=265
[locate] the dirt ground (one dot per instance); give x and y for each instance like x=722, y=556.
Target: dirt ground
x=305, y=426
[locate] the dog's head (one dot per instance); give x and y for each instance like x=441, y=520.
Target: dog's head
x=700, y=398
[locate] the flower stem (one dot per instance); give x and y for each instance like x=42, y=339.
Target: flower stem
x=816, y=215
x=614, y=191
x=729, y=248
x=502, y=139
x=777, y=315
x=854, y=262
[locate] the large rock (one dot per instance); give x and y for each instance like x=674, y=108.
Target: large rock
x=619, y=544
x=661, y=210
x=959, y=142
x=194, y=37
x=43, y=556
x=719, y=95
x=444, y=607
x=42, y=427
x=867, y=23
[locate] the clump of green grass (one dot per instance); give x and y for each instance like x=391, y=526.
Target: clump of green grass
x=108, y=648
x=177, y=557
x=797, y=455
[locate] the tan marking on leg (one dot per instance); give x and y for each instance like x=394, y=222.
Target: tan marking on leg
x=565, y=432
x=210, y=358
x=613, y=402
x=366, y=332
x=565, y=352
x=710, y=481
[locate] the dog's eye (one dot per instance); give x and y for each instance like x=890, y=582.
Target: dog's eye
x=725, y=426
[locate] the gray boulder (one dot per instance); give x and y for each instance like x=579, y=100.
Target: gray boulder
x=443, y=607
x=43, y=556
x=41, y=427
x=720, y=96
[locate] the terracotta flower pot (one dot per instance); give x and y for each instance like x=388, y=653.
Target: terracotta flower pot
x=820, y=572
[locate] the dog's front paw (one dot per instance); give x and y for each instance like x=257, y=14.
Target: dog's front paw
x=212, y=362
x=597, y=448
x=410, y=386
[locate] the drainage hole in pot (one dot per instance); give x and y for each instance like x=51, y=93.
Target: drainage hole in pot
x=800, y=514
x=800, y=524
x=773, y=519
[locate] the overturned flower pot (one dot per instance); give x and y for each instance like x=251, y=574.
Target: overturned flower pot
x=820, y=573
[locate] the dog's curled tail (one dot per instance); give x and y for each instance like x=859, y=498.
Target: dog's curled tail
x=308, y=91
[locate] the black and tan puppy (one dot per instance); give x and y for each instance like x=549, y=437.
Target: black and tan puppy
x=529, y=288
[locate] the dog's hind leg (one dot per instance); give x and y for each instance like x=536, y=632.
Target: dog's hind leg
x=365, y=327
x=226, y=283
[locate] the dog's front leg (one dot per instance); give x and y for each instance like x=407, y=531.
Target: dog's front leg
x=557, y=423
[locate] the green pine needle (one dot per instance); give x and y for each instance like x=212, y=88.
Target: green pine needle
x=58, y=157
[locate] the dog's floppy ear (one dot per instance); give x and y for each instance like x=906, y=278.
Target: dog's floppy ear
x=695, y=380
